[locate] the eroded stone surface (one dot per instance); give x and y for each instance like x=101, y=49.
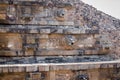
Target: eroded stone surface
x=57, y=40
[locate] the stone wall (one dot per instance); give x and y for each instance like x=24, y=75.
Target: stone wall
x=91, y=74
x=57, y=28
x=62, y=17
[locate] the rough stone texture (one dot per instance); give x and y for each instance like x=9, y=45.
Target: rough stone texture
x=86, y=19
x=57, y=40
x=91, y=74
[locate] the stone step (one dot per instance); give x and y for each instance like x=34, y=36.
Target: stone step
x=55, y=59
x=57, y=66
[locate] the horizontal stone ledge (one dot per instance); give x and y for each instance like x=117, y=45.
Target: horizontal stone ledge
x=43, y=23
x=65, y=52
x=57, y=66
x=82, y=66
x=57, y=52
x=46, y=31
x=86, y=65
x=43, y=52
x=11, y=53
x=8, y=69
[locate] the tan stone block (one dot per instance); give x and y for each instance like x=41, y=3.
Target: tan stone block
x=11, y=41
x=54, y=67
x=46, y=31
x=84, y=66
x=3, y=8
x=2, y=16
x=43, y=68
x=29, y=52
x=5, y=70
x=1, y=69
x=97, y=66
x=75, y=67
x=104, y=66
x=43, y=36
x=52, y=75
x=111, y=65
x=31, y=68
x=30, y=40
x=35, y=75
x=15, y=69
x=10, y=69
x=7, y=53
x=58, y=52
x=20, y=69
x=34, y=31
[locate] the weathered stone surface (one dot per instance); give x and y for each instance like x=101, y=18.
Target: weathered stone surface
x=44, y=68
x=31, y=68
x=57, y=40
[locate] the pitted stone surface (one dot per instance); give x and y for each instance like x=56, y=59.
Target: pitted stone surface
x=55, y=59
x=58, y=40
